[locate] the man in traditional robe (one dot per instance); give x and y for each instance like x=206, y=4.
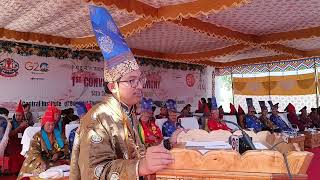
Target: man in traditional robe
x=28, y=114
x=214, y=122
x=251, y=119
x=269, y=126
x=305, y=119
x=277, y=120
x=149, y=132
x=48, y=148
x=172, y=124
x=14, y=146
x=107, y=145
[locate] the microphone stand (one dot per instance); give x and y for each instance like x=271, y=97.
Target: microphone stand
x=246, y=137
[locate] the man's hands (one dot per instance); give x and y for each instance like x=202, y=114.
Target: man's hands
x=157, y=158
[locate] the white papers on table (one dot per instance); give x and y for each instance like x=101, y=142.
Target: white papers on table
x=259, y=145
x=209, y=145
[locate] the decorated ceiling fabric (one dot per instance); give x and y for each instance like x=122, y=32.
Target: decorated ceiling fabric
x=216, y=33
x=283, y=66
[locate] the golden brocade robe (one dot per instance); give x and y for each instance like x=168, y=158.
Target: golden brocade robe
x=101, y=149
x=38, y=153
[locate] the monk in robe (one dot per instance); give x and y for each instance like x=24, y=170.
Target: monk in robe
x=305, y=119
x=315, y=118
x=293, y=117
x=215, y=117
x=14, y=146
x=149, y=132
x=277, y=120
x=48, y=148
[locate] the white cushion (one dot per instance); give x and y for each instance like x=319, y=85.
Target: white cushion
x=160, y=122
x=189, y=123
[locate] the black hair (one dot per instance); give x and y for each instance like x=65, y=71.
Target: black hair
x=26, y=105
x=154, y=108
x=4, y=111
x=203, y=100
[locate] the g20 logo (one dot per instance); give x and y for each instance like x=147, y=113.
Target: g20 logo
x=36, y=67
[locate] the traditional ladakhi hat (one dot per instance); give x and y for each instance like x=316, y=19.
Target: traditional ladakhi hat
x=214, y=104
x=263, y=105
x=48, y=116
x=119, y=60
x=19, y=108
x=232, y=109
x=146, y=105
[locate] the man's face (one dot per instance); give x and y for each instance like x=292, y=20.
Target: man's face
x=251, y=111
x=264, y=112
x=49, y=127
x=215, y=114
x=145, y=116
x=163, y=111
x=274, y=110
x=173, y=116
x=128, y=94
x=19, y=116
x=26, y=109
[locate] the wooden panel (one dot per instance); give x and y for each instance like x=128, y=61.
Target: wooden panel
x=312, y=140
x=228, y=164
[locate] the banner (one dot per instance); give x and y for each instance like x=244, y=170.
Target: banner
x=40, y=80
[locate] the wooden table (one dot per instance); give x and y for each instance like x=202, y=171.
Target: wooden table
x=37, y=178
x=300, y=140
x=312, y=139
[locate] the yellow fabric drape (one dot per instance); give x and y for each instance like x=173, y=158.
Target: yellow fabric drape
x=275, y=85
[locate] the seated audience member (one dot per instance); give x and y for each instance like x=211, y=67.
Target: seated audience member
x=172, y=124
x=14, y=146
x=203, y=107
x=241, y=117
x=163, y=113
x=186, y=112
x=213, y=121
x=314, y=116
x=28, y=114
x=251, y=119
x=268, y=125
x=5, y=127
x=277, y=120
x=150, y=133
x=305, y=119
x=4, y=113
x=70, y=116
x=48, y=148
x=209, y=103
x=293, y=117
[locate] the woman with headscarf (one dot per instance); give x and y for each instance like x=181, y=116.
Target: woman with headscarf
x=48, y=148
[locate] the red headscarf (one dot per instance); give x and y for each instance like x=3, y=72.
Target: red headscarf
x=291, y=108
x=232, y=109
x=19, y=108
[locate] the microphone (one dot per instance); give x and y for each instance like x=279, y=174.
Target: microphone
x=245, y=136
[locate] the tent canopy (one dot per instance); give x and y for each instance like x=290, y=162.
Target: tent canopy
x=218, y=33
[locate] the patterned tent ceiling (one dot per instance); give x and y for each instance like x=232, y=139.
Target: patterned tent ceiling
x=217, y=33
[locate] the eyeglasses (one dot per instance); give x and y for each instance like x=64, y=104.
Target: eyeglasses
x=135, y=82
